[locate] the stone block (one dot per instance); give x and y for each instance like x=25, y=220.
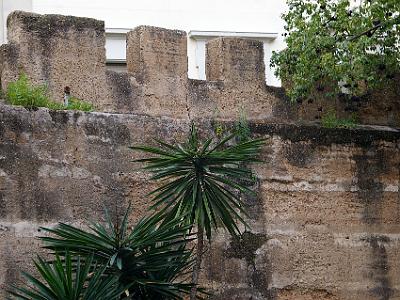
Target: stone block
x=236, y=61
x=57, y=51
x=153, y=53
x=157, y=59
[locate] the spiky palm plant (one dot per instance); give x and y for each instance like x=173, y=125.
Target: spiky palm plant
x=70, y=278
x=150, y=258
x=201, y=182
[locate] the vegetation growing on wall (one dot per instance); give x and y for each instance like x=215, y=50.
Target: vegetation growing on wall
x=335, y=46
x=330, y=120
x=22, y=92
x=242, y=128
x=77, y=104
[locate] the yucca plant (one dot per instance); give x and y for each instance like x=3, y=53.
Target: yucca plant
x=201, y=183
x=69, y=278
x=151, y=259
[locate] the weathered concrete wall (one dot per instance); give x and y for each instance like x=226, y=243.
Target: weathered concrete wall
x=325, y=223
x=236, y=82
x=68, y=51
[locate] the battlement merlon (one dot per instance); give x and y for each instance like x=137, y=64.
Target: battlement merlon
x=154, y=52
x=49, y=26
x=235, y=61
x=57, y=51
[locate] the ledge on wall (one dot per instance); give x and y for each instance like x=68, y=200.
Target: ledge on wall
x=196, y=34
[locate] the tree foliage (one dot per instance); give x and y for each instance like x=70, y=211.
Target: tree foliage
x=339, y=45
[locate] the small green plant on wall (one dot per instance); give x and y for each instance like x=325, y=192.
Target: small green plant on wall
x=218, y=126
x=23, y=92
x=242, y=127
x=77, y=104
x=330, y=120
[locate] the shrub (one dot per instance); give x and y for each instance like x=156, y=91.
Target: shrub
x=69, y=278
x=150, y=258
x=22, y=92
x=111, y=261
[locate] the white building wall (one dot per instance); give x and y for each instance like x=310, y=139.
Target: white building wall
x=254, y=16
x=8, y=6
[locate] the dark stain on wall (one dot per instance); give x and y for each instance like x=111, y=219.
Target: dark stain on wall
x=260, y=281
x=299, y=154
x=46, y=62
x=21, y=164
x=3, y=208
x=369, y=167
x=321, y=136
x=15, y=124
x=121, y=90
x=245, y=247
x=108, y=132
x=198, y=90
x=10, y=53
x=253, y=204
x=59, y=117
x=380, y=267
x=283, y=108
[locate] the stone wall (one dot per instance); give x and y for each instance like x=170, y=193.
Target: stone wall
x=62, y=51
x=326, y=220
x=325, y=223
